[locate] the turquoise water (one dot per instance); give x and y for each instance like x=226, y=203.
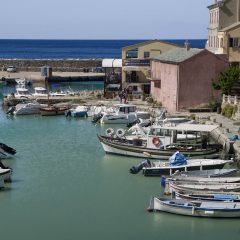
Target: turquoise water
x=65, y=188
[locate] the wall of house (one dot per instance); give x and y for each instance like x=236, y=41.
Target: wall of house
x=234, y=53
x=167, y=93
x=195, y=79
x=155, y=49
x=228, y=13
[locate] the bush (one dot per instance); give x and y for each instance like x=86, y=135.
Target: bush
x=228, y=110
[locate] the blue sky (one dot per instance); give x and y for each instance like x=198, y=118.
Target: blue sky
x=104, y=19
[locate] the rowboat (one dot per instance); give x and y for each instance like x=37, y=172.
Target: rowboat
x=53, y=110
x=235, y=197
x=188, y=187
x=208, y=173
x=195, y=208
x=205, y=180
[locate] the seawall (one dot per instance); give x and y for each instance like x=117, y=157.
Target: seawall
x=61, y=65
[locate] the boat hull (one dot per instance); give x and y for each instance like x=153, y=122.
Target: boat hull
x=159, y=205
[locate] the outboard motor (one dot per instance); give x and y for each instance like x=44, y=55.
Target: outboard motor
x=11, y=110
x=133, y=123
x=97, y=118
x=68, y=113
x=136, y=169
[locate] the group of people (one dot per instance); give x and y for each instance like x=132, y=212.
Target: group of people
x=123, y=95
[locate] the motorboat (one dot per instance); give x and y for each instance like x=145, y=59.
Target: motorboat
x=6, y=151
x=40, y=92
x=28, y=108
x=124, y=114
x=79, y=111
x=58, y=94
x=195, y=208
x=164, y=145
x=22, y=92
x=5, y=174
x=160, y=168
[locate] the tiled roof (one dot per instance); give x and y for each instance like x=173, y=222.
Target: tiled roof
x=177, y=55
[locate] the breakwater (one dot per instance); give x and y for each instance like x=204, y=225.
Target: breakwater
x=61, y=65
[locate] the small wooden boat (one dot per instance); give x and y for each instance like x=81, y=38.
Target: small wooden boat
x=234, y=197
x=205, y=180
x=164, y=168
x=187, y=187
x=195, y=208
x=53, y=110
x=208, y=173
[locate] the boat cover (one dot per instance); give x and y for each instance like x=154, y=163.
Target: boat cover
x=177, y=159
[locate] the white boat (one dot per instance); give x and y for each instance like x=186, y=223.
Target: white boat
x=196, y=208
x=163, y=145
x=22, y=92
x=28, y=108
x=58, y=94
x=79, y=111
x=20, y=81
x=5, y=174
x=164, y=168
x=194, y=187
x=40, y=92
x=124, y=114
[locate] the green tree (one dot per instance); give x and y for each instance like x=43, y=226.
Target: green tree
x=227, y=79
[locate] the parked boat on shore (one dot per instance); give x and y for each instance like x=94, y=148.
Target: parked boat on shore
x=195, y=208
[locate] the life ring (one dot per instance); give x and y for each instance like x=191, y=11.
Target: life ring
x=120, y=132
x=109, y=132
x=156, y=141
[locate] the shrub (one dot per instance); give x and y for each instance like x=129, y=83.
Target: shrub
x=228, y=110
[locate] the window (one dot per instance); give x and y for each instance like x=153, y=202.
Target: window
x=132, y=53
x=146, y=54
x=234, y=42
x=157, y=84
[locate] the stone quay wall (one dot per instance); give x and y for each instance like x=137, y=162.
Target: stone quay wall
x=65, y=65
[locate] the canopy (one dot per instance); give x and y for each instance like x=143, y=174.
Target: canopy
x=177, y=159
x=189, y=127
x=111, y=63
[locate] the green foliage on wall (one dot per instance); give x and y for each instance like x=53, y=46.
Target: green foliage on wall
x=228, y=110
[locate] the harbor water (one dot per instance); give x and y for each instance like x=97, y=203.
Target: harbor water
x=64, y=187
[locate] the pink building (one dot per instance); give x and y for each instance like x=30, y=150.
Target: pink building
x=182, y=78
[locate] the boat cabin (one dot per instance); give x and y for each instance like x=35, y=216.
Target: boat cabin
x=126, y=108
x=186, y=134
x=22, y=92
x=40, y=91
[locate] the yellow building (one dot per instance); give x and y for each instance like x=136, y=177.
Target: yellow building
x=224, y=29
x=136, y=60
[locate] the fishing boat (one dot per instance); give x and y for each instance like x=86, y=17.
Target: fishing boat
x=188, y=187
x=53, y=110
x=208, y=173
x=124, y=114
x=196, y=208
x=79, y=111
x=233, y=197
x=6, y=151
x=164, y=145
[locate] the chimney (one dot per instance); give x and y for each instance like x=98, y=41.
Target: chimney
x=187, y=45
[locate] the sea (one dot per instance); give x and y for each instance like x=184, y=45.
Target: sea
x=64, y=186
x=74, y=49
